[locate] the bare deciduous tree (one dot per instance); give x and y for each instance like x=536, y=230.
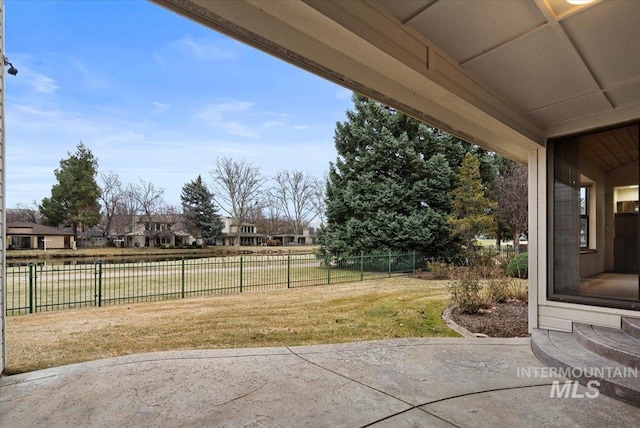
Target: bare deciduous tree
x=24, y=213
x=293, y=192
x=171, y=213
x=146, y=196
x=319, y=198
x=268, y=217
x=512, y=195
x=111, y=195
x=238, y=187
x=145, y=199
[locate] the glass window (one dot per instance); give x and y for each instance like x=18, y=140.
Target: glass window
x=584, y=217
x=593, y=218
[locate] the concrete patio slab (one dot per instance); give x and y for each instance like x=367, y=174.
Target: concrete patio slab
x=391, y=383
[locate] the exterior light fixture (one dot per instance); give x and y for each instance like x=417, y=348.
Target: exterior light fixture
x=12, y=70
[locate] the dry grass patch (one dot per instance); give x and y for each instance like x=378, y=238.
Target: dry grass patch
x=98, y=252
x=375, y=309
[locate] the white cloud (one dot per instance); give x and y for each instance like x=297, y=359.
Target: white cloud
x=207, y=49
x=44, y=84
x=160, y=107
x=222, y=116
x=89, y=79
x=240, y=130
x=271, y=123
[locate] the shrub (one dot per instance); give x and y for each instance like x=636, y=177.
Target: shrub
x=518, y=267
x=465, y=292
x=498, y=289
x=440, y=270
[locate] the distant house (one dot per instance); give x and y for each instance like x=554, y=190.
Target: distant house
x=157, y=230
x=307, y=237
x=248, y=234
x=94, y=238
x=24, y=235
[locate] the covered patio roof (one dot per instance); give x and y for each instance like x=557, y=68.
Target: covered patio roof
x=503, y=74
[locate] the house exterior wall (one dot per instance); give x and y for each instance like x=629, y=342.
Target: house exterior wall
x=3, y=236
x=53, y=242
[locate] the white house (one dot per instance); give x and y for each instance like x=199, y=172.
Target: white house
x=247, y=233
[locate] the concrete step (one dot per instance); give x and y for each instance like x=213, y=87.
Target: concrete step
x=631, y=326
x=562, y=350
x=611, y=343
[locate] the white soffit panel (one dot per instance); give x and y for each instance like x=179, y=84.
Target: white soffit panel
x=581, y=106
x=625, y=95
x=532, y=72
x=607, y=36
x=406, y=9
x=454, y=27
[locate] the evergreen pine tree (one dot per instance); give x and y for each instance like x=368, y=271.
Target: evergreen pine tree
x=74, y=199
x=389, y=187
x=200, y=213
x=473, y=212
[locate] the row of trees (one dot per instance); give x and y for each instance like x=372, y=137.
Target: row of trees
x=400, y=185
x=83, y=198
x=396, y=185
x=286, y=204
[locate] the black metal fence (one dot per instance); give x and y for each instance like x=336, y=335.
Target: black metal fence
x=506, y=251
x=37, y=287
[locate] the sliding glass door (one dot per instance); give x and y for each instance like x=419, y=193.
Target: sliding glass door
x=594, y=218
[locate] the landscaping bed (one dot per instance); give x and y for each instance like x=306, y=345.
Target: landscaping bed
x=508, y=319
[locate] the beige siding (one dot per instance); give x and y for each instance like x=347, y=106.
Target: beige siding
x=55, y=242
x=3, y=237
x=558, y=316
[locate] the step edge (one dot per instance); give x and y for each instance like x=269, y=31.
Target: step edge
x=605, y=347
x=608, y=386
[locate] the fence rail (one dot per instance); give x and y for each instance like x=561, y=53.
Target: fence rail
x=39, y=287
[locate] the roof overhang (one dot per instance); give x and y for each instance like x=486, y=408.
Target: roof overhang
x=505, y=75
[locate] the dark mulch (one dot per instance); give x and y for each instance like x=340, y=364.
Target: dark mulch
x=507, y=319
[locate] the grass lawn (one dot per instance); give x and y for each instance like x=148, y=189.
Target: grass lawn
x=375, y=309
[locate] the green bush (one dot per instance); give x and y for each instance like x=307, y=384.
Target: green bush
x=518, y=267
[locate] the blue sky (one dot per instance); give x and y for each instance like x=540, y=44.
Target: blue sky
x=155, y=96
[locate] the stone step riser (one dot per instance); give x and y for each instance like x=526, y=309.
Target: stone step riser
x=631, y=326
x=547, y=351
x=627, y=353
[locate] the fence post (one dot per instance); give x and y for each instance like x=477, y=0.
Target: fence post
x=182, y=284
x=99, y=283
x=389, y=264
x=361, y=266
x=328, y=269
x=241, y=274
x=288, y=270
x=30, y=287
x=414, y=261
